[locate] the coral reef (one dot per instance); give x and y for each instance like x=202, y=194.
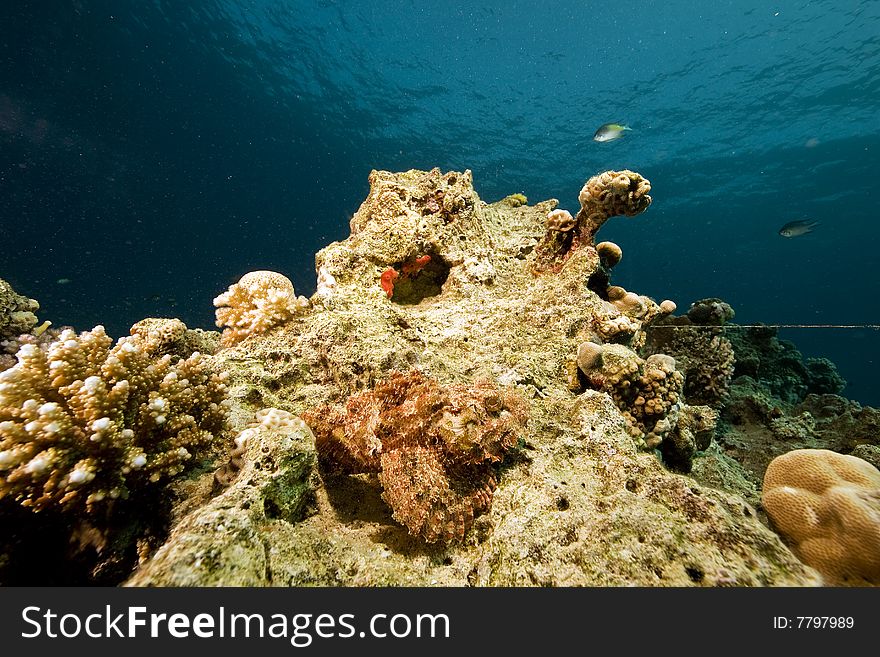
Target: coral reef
x=259, y=301
x=17, y=312
x=827, y=505
x=422, y=469
x=606, y=195
x=84, y=422
x=162, y=336
x=389, y=387
x=701, y=351
x=433, y=447
x=648, y=393
x=780, y=366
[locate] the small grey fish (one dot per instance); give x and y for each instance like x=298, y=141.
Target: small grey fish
x=610, y=131
x=798, y=228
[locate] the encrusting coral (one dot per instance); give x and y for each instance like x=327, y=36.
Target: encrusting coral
x=163, y=335
x=827, y=506
x=259, y=301
x=605, y=195
x=86, y=422
x=17, y=312
x=432, y=446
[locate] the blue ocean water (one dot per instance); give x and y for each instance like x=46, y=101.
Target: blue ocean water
x=151, y=152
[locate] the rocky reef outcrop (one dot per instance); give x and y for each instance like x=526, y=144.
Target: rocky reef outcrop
x=442, y=345
x=467, y=399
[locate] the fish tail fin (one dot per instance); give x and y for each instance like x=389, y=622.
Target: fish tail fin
x=625, y=127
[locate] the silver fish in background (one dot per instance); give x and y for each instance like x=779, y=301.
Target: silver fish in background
x=798, y=228
x=610, y=132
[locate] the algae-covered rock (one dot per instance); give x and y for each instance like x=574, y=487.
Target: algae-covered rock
x=222, y=543
x=580, y=499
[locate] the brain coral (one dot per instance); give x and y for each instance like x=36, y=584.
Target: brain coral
x=433, y=447
x=259, y=301
x=827, y=506
x=84, y=422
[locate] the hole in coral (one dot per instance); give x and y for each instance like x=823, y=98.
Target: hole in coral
x=419, y=279
x=632, y=485
x=254, y=396
x=447, y=561
x=271, y=508
x=695, y=574
x=562, y=504
x=599, y=282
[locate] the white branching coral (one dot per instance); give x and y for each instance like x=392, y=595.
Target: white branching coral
x=85, y=421
x=259, y=301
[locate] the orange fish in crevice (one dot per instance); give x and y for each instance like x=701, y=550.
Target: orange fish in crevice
x=413, y=267
x=387, y=280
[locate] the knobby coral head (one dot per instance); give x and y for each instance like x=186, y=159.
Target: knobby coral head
x=433, y=447
x=259, y=301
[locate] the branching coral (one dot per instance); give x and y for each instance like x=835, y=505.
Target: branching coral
x=85, y=422
x=603, y=196
x=433, y=447
x=827, y=506
x=259, y=301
